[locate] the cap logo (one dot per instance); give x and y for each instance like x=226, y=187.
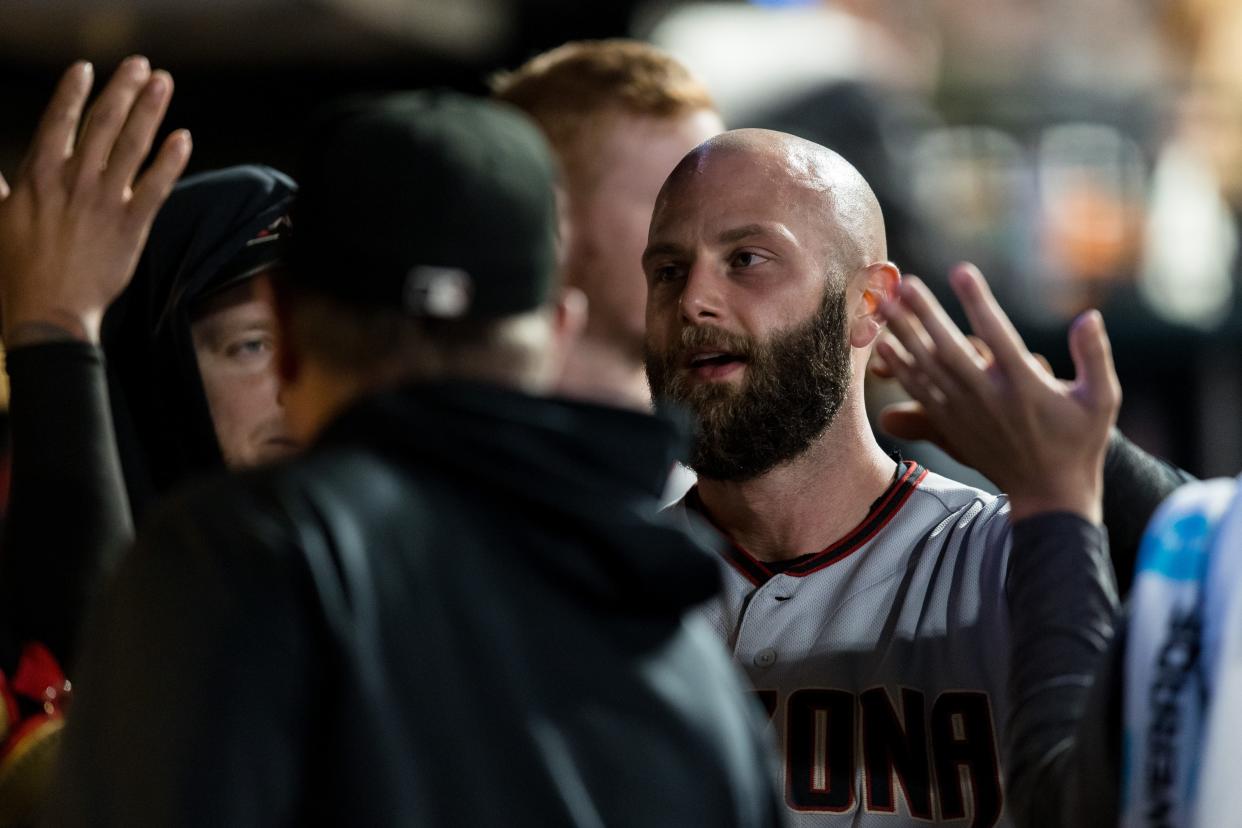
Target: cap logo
x=440, y=292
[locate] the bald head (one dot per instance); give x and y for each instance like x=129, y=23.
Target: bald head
x=836, y=199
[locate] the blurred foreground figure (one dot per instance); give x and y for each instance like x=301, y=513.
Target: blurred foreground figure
x=457, y=607
x=865, y=597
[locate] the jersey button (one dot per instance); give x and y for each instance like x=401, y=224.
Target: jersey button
x=765, y=657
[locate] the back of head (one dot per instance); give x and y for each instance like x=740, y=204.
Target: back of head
x=569, y=90
x=426, y=221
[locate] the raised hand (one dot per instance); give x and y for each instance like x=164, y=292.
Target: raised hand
x=75, y=222
x=1042, y=440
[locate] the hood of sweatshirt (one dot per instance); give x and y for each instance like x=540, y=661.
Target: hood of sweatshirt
x=216, y=229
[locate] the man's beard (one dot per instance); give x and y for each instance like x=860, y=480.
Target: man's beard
x=795, y=382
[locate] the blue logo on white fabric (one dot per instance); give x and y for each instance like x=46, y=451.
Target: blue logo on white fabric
x=1179, y=550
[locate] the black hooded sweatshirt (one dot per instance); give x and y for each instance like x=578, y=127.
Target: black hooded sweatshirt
x=459, y=608
x=69, y=514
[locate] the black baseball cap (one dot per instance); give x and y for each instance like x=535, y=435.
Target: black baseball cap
x=431, y=202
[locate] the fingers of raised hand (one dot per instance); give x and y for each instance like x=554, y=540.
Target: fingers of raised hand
x=989, y=322
x=53, y=142
x=134, y=141
x=909, y=372
x=157, y=182
x=1095, y=380
x=106, y=119
x=4, y=188
x=922, y=353
x=878, y=367
x=952, y=348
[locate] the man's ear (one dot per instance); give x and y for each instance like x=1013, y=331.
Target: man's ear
x=569, y=316
x=877, y=283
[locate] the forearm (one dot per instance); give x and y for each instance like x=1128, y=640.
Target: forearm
x=68, y=514
x=1135, y=483
x=1063, y=605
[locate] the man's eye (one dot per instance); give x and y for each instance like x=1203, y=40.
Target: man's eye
x=248, y=348
x=667, y=273
x=747, y=258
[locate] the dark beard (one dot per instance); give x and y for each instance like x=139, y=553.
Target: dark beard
x=795, y=383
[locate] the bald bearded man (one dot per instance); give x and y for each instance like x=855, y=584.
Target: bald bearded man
x=864, y=596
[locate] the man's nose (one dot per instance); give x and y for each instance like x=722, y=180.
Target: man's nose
x=702, y=297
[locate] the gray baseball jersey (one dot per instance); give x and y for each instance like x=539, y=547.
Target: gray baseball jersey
x=883, y=660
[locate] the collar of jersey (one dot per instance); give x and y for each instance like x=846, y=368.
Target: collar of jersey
x=909, y=475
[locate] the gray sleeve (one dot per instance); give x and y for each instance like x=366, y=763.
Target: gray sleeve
x=1061, y=754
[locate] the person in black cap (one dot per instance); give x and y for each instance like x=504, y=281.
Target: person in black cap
x=190, y=343
x=182, y=382
x=458, y=606
x=188, y=349
x=71, y=229
x=182, y=362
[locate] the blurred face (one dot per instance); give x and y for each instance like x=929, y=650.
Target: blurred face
x=611, y=214
x=744, y=326
x=234, y=337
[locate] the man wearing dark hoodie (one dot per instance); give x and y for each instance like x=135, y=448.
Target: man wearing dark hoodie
x=189, y=384
x=459, y=607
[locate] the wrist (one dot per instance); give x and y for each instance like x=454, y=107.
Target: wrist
x=35, y=326
x=1083, y=501
x=1083, y=497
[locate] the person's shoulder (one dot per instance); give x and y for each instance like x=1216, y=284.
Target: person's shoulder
x=979, y=519
x=265, y=507
x=954, y=496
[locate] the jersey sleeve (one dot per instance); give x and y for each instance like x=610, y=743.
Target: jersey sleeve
x=1062, y=742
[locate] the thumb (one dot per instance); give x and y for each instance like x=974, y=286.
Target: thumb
x=4, y=188
x=1095, y=377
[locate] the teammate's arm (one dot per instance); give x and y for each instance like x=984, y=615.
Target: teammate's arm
x=1135, y=483
x=1042, y=440
x=71, y=229
x=1061, y=751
